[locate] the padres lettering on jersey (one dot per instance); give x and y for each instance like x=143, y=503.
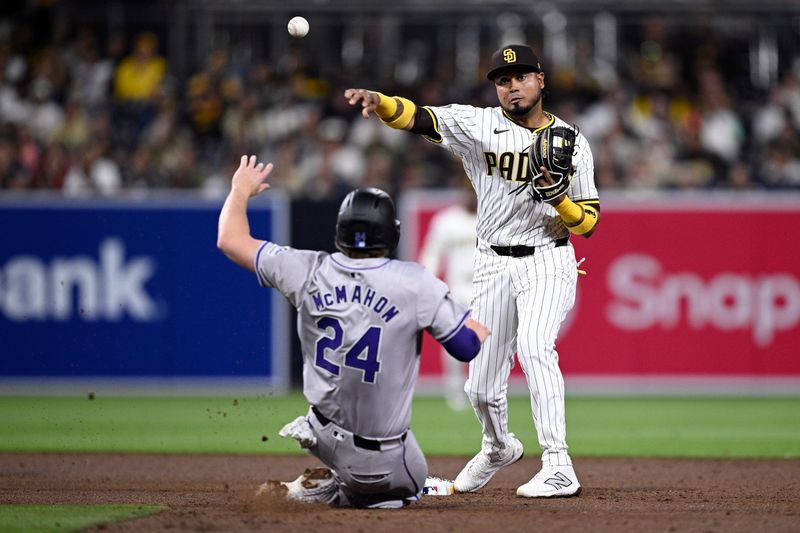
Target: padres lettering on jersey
x=510, y=166
x=492, y=148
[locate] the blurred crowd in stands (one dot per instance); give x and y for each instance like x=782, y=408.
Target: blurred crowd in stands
x=89, y=117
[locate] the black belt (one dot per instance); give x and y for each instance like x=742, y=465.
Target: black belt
x=361, y=442
x=523, y=251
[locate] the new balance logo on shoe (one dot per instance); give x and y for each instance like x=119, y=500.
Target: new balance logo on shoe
x=551, y=482
x=559, y=481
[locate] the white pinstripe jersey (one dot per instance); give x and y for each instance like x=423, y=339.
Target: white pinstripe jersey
x=492, y=148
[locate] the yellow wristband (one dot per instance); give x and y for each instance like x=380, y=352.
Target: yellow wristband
x=579, y=219
x=569, y=211
x=387, y=106
x=406, y=114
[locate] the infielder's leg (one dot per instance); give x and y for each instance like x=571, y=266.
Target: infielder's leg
x=487, y=384
x=546, y=292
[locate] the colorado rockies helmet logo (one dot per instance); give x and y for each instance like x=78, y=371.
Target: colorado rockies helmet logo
x=509, y=55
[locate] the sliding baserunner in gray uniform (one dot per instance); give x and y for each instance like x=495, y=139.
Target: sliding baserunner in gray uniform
x=359, y=318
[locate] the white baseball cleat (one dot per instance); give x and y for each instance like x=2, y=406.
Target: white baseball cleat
x=551, y=482
x=300, y=430
x=315, y=485
x=480, y=470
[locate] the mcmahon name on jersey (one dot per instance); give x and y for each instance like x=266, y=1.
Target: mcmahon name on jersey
x=365, y=296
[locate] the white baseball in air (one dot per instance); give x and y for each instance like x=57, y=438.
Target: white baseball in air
x=298, y=27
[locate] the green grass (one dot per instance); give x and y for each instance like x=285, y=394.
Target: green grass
x=58, y=518
x=649, y=426
x=148, y=424
x=640, y=427
x=685, y=427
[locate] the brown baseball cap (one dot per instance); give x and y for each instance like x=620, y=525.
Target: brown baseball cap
x=513, y=55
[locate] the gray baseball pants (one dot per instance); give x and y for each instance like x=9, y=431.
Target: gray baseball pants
x=370, y=473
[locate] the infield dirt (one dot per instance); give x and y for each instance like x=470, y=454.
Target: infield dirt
x=215, y=493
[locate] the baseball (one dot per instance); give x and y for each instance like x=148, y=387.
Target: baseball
x=298, y=27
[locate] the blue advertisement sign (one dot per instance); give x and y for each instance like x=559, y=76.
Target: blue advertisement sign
x=135, y=289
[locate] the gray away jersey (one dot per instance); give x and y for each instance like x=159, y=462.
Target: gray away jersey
x=492, y=148
x=359, y=322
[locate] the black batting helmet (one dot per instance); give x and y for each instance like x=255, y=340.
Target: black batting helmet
x=367, y=221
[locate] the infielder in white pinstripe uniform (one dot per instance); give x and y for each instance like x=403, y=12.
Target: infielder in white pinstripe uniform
x=525, y=269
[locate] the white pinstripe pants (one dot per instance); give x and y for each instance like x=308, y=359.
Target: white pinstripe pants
x=523, y=302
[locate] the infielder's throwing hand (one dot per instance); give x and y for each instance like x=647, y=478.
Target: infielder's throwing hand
x=369, y=100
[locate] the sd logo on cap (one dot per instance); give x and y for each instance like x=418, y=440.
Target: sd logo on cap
x=513, y=56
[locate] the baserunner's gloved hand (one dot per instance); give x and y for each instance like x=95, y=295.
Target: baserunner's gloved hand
x=300, y=430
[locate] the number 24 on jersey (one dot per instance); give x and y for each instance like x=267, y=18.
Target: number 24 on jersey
x=370, y=342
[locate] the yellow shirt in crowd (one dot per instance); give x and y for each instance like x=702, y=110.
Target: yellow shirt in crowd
x=138, y=81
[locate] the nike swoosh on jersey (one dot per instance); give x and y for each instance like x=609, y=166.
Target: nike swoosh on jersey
x=496, y=131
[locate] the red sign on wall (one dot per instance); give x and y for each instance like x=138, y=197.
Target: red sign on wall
x=679, y=287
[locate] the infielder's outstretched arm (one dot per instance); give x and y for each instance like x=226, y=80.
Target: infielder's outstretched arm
x=394, y=111
x=233, y=235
